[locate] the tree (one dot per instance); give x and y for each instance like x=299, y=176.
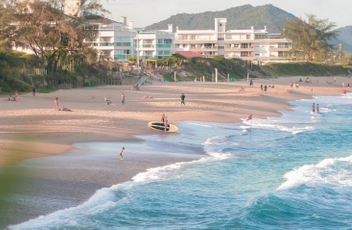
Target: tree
x=311, y=36
x=55, y=38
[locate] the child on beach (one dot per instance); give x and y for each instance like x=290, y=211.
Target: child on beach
x=121, y=153
x=123, y=98
x=56, y=104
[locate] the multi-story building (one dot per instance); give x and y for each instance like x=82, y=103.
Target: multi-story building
x=254, y=45
x=119, y=41
x=115, y=40
x=154, y=44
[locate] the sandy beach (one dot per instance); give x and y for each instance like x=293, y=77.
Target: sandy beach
x=31, y=128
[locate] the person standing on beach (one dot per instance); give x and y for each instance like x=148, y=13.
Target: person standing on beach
x=123, y=98
x=183, y=99
x=56, y=104
x=265, y=88
x=165, y=123
x=121, y=153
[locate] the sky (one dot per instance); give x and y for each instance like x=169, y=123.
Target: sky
x=146, y=12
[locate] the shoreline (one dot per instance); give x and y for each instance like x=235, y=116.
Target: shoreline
x=31, y=123
x=28, y=133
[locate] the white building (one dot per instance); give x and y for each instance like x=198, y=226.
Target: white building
x=154, y=44
x=119, y=41
x=255, y=45
x=115, y=40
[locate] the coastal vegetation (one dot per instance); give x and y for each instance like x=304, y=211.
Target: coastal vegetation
x=237, y=69
x=310, y=37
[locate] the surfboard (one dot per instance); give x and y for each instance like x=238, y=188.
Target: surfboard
x=159, y=126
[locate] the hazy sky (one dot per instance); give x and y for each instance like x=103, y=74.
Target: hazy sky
x=147, y=12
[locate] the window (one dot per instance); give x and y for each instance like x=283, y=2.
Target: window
x=244, y=54
x=281, y=53
x=284, y=45
x=260, y=36
x=244, y=45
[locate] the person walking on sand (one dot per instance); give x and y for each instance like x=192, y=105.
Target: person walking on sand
x=56, y=104
x=162, y=118
x=183, y=99
x=121, y=153
x=123, y=98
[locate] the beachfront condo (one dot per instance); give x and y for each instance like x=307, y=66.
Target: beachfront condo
x=252, y=44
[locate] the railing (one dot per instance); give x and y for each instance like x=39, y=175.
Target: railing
x=106, y=44
x=122, y=56
x=147, y=46
x=163, y=45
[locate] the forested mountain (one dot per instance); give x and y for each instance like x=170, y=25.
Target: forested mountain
x=345, y=34
x=241, y=17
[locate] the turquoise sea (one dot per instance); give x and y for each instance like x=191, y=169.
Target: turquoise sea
x=287, y=172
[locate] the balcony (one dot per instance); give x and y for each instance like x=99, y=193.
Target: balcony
x=200, y=41
x=122, y=56
x=279, y=49
x=238, y=49
x=204, y=49
x=165, y=46
x=106, y=44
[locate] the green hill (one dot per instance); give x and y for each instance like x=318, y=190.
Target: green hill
x=241, y=17
x=345, y=34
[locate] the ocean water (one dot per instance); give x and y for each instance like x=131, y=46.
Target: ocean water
x=287, y=172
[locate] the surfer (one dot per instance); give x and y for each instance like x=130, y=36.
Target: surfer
x=165, y=123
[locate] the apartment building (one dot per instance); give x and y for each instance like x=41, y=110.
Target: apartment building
x=154, y=44
x=120, y=41
x=252, y=44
